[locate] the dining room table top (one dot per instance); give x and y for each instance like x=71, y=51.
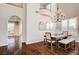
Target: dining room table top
x=57, y=36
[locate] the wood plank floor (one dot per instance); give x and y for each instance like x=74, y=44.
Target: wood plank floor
x=39, y=49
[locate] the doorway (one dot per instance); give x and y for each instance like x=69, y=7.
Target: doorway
x=14, y=33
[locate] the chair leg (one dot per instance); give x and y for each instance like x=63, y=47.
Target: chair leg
x=65, y=48
x=44, y=42
x=58, y=45
x=51, y=47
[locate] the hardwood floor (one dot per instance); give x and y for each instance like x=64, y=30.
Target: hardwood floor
x=12, y=47
x=39, y=49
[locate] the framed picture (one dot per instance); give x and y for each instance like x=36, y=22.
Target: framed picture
x=45, y=6
x=16, y=4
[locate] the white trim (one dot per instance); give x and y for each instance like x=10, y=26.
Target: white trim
x=30, y=42
x=3, y=45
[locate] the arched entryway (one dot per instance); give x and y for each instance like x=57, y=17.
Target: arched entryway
x=14, y=32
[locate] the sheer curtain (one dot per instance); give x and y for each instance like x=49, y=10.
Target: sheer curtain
x=64, y=25
x=73, y=27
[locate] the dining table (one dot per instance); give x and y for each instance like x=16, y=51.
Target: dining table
x=58, y=37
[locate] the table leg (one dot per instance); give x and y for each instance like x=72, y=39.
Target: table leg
x=57, y=43
x=74, y=44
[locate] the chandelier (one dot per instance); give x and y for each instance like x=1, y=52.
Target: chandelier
x=59, y=16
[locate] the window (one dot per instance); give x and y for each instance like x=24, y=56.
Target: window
x=70, y=25
x=73, y=26
x=50, y=26
x=64, y=25
x=11, y=27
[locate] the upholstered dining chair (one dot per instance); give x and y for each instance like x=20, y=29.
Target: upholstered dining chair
x=48, y=39
x=65, y=33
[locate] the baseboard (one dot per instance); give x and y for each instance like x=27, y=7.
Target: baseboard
x=31, y=42
x=23, y=43
x=3, y=45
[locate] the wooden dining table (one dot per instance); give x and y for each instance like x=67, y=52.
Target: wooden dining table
x=58, y=37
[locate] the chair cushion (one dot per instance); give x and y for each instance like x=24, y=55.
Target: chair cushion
x=50, y=41
x=66, y=41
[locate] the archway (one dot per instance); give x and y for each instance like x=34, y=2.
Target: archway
x=14, y=32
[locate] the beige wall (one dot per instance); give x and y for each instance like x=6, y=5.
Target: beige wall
x=33, y=34
x=6, y=11
x=70, y=10
x=33, y=19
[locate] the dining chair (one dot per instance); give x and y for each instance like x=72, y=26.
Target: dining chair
x=49, y=39
x=65, y=34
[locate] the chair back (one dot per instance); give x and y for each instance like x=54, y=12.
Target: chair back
x=48, y=35
x=65, y=33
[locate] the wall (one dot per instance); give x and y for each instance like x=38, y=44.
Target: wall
x=33, y=19
x=70, y=10
x=32, y=23
x=6, y=11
